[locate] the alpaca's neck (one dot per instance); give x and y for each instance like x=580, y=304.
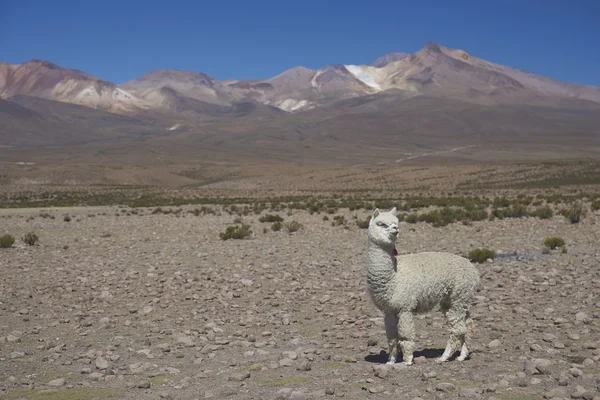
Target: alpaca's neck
x=381, y=270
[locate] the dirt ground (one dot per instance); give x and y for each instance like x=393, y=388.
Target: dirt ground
x=159, y=307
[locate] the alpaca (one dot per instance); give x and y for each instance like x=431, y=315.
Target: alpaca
x=402, y=286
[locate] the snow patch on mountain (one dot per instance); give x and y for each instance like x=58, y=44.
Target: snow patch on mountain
x=363, y=76
x=291, y=105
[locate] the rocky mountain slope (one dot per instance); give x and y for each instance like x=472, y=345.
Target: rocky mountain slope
x=433, y=100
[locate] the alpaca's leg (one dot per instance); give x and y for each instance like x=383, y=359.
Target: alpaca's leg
x=466, y=346
x=406, y=328
x=456, y=317
x=391, y=331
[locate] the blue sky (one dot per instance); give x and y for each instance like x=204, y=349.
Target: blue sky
x=121, y=40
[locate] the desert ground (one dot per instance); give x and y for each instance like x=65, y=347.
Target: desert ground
x=138, y=297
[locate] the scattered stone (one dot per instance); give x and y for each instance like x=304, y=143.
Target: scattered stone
x=57, y=382
x=144, y=384
x=239, y=377
x=101, y=363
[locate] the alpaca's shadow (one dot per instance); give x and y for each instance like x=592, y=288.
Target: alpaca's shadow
x=382, y=357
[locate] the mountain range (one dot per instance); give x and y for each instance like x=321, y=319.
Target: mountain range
x=434, y=97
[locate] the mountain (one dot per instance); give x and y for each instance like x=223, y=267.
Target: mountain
x=47, y=80
x=427, y=102
x=434, y=70
x=388, y=58
x=194, y=85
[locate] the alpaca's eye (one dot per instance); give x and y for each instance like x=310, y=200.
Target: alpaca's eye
x=382, y=224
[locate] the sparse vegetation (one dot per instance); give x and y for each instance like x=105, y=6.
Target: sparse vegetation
x=363, y=223
x=554, y=242
x=574, y=213
x=6, y=241
x=481, y=255
x=276, y=226
x=543, y=212
x=338, y=220
x=236, y=232
x=271, y=218
x=293, y=226
x=30, y=238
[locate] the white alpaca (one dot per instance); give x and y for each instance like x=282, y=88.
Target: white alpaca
x=405, y=285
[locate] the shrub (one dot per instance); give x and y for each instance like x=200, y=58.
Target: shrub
x=30, y=238
x=543, y=212
x=554, y=242
x=477, y=215
x=67, y=218
x=481, y=255
x=293, y=226
x=271, y=218
x=517, y=211
x=6, y=241
x=563, y=249
x=237, y=220
x=574, y=213
x=236, y=232
x=501, y=202
x=276, y=226
x=338, y=220
x=363, y=223
x=412, y=218
x=596, y=205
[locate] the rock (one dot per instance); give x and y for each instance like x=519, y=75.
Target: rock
x=286, y=362
x=429, y=375
x=469, y=393
x=186, y=341
x=420, y=360
x=305, y=366
x=556, y=392
x=57, y=382
x=139, y=367
x=101, y=363
x=445, y=387
x=292, y=355
x=529, y=367
x=543, y=365
x=297, y=395
x=494, y=344
x=381, y=371
x=144, y=384
x=146, y=310
x=239, y=377
x=582, y=317
x=579, y=392
x=576, y=372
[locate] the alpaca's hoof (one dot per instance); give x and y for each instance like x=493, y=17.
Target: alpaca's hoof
x=390, y=363
x=407, y=363
x=462, y=358
x=440, y=360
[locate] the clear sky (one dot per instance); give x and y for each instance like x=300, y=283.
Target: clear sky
x=121, y=40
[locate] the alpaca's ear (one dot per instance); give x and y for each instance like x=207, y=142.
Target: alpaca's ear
x=393, y=210
x=376, y=213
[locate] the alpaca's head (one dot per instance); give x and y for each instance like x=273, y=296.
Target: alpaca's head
x=383, y=227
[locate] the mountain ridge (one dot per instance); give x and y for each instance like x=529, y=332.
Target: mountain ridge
x=433, y=70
